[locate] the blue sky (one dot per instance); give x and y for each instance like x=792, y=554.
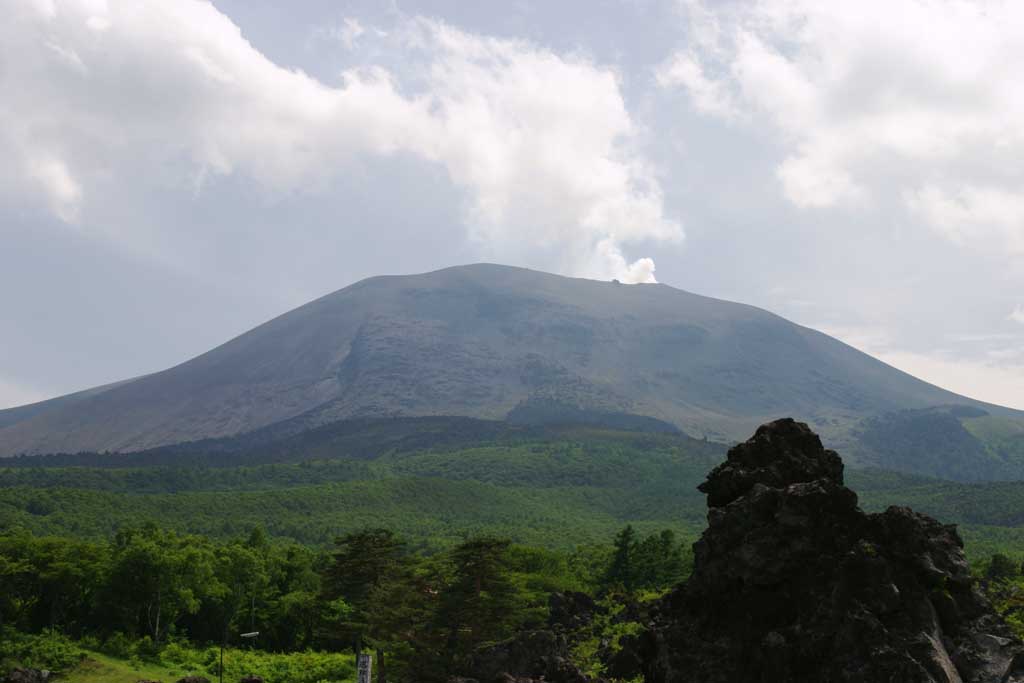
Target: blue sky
x=181, y=171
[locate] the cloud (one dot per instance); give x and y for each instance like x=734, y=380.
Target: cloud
x=999, y=383
x=995, y=375
x=542, y=144
x=709, y=96
x=348, y=32
x=971, y=214
x=912, y=101
x=55, y=180
x=14, y=394
x=1017, y=315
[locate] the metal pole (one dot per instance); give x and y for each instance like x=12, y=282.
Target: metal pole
x=252, y=641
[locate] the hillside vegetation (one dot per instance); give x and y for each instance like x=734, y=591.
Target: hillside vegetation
x=961, y=443
x=557, y=487
x=564, y=487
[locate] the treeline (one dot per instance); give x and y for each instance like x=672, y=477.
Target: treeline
x=154, y=583
x=424, y=615
x=553, y=494
x=370, y=438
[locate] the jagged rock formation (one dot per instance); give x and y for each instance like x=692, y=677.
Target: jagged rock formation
x=540, y=656
x=794, y=583
x=530, y=657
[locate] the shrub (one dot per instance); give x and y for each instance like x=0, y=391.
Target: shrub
x=146, y=650
x=47, y=650
x=1001, y=567
x=118, y=645
x=296, y=667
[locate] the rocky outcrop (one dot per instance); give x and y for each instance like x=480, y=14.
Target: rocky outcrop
x=540, y=656
x=571, y=611
x=24, y=675
x=793, y=583
x=530, y=656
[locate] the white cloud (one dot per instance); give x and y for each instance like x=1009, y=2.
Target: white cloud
x=13, y=394
x=913, y=100
x=973, y=214
x=999, y=383
x=541, y=143
x=1017, y=315
x=348, y=32
x=995, y=376
x=63, y=191
x=709, y=96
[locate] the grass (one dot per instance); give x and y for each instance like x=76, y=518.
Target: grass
x=100, y=668
x=97, y=667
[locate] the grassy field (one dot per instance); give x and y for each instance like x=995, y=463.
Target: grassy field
x=309, y=667
x=100, y=668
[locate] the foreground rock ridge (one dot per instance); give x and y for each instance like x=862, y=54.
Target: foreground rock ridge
x=793, y=582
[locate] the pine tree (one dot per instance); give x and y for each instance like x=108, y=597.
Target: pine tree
x=368, y=571
x=482, y=603
x=622, y=570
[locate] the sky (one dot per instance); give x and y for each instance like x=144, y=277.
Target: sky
x=178, y=171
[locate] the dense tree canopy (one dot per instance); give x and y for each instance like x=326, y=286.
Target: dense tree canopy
x=423, y=615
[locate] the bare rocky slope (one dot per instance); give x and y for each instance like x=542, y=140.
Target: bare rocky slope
x=496, y=342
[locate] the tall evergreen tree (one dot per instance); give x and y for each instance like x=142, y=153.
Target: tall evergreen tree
x=482, y=603
x=368, y=568
x=622, y=570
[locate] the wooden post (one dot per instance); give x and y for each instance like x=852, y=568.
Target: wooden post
x=365, y=670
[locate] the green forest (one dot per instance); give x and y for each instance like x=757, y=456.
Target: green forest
x=556, y=489
x=424, y=549
x=155, y=598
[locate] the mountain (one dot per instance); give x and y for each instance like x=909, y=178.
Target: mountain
x=503, y=343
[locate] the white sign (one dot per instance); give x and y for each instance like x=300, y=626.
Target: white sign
x=365, y=669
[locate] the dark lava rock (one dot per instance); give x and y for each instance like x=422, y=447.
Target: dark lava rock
x=20, y=675
x=193, y=679
x=792, y=582
x=571, y=611
x=530, y=657
x=251, y=679
x=541, y=655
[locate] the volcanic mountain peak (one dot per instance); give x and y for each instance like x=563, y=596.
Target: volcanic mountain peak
x=496, y=342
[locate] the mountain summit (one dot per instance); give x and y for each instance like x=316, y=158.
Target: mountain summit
x=495, y=342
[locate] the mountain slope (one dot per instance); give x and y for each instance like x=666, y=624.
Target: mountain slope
x=485, y=341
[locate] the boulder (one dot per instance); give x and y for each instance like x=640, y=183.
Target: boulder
x=571, y=611
x=25, y=675
x=793, y=583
